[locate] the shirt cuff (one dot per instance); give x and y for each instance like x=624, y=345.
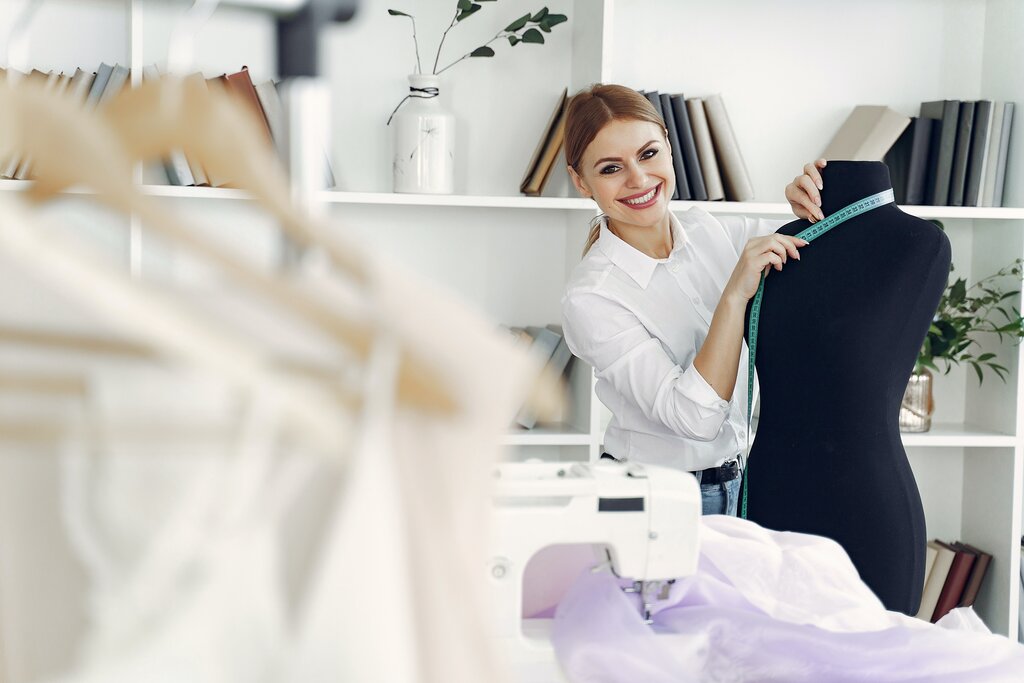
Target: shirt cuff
x=693, y=385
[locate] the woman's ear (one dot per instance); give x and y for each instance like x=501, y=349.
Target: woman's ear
x=581, y=187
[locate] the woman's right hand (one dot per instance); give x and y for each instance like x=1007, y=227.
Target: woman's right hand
x=759, y=256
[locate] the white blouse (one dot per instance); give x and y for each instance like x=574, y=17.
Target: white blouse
x=640, y=321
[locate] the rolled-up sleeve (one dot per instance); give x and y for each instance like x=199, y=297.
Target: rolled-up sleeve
x=610, y=337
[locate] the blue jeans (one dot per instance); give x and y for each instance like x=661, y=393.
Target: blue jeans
x=720, y=499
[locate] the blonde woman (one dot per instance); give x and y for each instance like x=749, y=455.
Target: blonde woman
x=657, y=305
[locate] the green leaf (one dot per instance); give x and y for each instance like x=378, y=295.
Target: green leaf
x=977, y=370
x=513, y=40
x=482, y=52
x=555, y=19
x=518, y=23
x=533, y=36
x=396, y=13
x=986, y=356
x=468, y=13
x=539, y=15
x=464, y=5
x=544, y=27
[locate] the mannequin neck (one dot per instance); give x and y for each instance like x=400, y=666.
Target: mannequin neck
x=846, y=182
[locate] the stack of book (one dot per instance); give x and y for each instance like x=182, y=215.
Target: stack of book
x=94, y=88
x=548, y=345
x=952, y=154
x=705, y=154
x=545, y=154
x=706, y=157
x=954, y=573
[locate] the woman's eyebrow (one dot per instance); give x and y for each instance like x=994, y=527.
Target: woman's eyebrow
x=645, y=146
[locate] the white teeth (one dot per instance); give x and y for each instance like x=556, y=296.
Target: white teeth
x=642, y=200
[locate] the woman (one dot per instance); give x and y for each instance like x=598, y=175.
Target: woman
x=657, y=304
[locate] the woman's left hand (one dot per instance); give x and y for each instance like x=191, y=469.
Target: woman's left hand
x=803, y=195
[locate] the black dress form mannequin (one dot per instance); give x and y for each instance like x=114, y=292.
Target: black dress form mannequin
x=839, y=333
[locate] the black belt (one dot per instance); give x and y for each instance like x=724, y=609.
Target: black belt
x=727, y=471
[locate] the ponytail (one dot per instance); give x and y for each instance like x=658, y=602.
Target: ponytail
x=595, y=232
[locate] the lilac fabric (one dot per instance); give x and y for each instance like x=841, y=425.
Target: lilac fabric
x=768, y=606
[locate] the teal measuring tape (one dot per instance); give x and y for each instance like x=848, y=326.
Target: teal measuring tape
x=810, y=234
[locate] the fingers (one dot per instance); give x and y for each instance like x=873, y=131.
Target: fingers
x=812, y=171
x=804, y=198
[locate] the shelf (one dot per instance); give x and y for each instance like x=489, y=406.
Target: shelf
x=544, y=203
x=554, y=435
x=958, y=435
x=454, y=200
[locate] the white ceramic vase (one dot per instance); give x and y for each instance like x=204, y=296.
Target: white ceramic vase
x=424, y=140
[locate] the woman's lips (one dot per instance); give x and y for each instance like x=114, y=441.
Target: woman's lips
x=650, y=202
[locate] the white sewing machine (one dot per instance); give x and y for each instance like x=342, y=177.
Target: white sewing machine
x=645, y=516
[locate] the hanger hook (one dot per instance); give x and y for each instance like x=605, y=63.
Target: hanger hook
x=18, y=40
x=181, y=50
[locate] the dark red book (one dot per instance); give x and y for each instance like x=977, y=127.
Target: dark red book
x=241, y=84
x=959, y=571
x=974, y=581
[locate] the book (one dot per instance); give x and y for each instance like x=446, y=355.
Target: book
x=961, y=153
x=682, y=188
x=98, y=84
x=735, y=177
x=199, y=177
x=989, y=181
x=929, y=560
x=977, y=160
x=117, y=80
x=273, y=110
x=50, y=82
x=561, y=356
x=936, y=580
x=539, y=168
x=10, y=165
x=690, y=161
x=940, y=160
x=956, y=579
x=241, y=84
x=897, y=159
x=1004, y=146
x=917, y=171
x=867, y=134
x=544, y=344
x=81, y=83
x=176, y=166
x=705, y=149
x=977, y=576
x=682, y=182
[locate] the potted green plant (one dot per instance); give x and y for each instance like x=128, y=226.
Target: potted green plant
x=962, y=314
x=424, y=132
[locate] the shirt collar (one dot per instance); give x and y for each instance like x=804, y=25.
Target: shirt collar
x=637, y=264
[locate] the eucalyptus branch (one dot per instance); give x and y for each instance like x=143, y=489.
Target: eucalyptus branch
x=419, y=69
x=441, y=44
x=415, y=41
x=501, y=34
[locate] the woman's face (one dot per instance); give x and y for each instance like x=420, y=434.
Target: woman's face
x=627, y=169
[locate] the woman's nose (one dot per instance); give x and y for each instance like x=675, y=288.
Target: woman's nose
x=635, y=176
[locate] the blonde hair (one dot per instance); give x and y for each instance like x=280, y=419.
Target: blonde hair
x=592, y=109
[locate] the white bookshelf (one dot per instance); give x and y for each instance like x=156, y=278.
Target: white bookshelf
x=510, y=256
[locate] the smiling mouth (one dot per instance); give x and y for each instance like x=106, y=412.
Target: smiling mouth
x=642, y=201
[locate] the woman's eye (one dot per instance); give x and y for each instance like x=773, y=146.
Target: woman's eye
x=607, y=170
x=648, y=154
